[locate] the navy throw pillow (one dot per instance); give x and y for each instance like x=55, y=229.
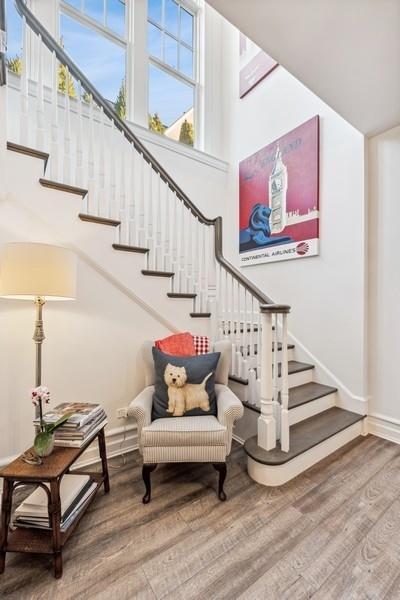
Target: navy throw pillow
x=184, y=385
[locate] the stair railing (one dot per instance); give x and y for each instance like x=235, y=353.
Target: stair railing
x=84, y=133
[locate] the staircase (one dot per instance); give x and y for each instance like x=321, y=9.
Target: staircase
x=125, y=214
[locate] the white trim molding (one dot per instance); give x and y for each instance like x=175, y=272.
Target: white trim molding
x=345, y=398
x=384, y=427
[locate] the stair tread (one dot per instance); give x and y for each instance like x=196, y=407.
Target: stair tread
x=63, y=187
x=99, y=220
x=157, y=273
x=302, y=394
x=28, y=151
x=304, y=436
x=294, y=366
x=178, y=295
x=127, y=248
x=200, y=315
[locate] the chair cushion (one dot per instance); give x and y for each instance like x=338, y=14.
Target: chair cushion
x=185, y=431
x=184, y=385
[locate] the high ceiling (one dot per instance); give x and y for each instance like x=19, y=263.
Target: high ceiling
x=345, y=51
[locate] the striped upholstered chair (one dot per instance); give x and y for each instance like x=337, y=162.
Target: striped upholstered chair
x=186, y=439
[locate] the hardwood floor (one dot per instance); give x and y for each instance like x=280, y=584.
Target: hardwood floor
x=331, y=533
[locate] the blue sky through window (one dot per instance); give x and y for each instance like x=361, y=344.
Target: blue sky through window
x=102, y=61
x=168, y=96
x=14, y=30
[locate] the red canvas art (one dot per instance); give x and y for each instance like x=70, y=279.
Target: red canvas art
x=279, y=198
x=254, y=65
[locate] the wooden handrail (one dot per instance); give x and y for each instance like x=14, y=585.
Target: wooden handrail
x=111, y=113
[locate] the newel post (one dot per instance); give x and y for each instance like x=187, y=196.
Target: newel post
x=266, y=420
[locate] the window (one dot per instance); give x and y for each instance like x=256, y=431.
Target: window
x=172, y=71
x=14, y=38
x=93, y=34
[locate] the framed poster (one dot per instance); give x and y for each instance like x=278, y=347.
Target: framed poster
x=279, y=198
x=254, y=65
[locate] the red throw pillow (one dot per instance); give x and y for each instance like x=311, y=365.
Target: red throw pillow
x=201, y=344
x=179, y=344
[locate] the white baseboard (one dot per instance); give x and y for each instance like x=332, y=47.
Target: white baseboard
x=384, y=427
x=119, y=440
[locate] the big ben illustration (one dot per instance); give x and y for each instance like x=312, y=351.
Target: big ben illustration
x=277, y=184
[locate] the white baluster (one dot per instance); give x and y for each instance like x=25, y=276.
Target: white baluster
x=138, y=169
x=169, y=262
x=123, y=201
x=164, y=223
x=200, y=266
x=40, y=130
x=226, y=304
x=54, y=152
x=112, y=212
x=246, y=326
x=131, y=197
x=79, y=179
x=252, y=378
x=284, y=388
x=103, y=200
x=208, y=260
x=24, y=119
x=239, y=329
x=266, y=420
x=275, y=374
x=67, y=132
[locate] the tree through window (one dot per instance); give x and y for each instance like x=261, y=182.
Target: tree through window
x=172, y=69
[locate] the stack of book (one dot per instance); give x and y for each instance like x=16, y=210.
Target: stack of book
x=75, y=491
x=85, y=421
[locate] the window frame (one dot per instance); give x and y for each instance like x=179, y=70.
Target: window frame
x=194, y=9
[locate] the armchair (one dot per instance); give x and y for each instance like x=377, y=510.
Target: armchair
x=186, y=439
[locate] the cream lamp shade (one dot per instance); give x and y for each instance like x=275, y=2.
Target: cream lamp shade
x=29, y=270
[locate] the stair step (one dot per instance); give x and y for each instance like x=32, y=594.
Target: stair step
x=99, y=220
x=157, y=273
x=28, y=151
x=304, y=435
x=301, y=394
x=126, y=248
x=200, y=315
x=294, y=366
x=63, y=187
x=176, y=295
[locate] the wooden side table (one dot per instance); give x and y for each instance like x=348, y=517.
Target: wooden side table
x=52, y=470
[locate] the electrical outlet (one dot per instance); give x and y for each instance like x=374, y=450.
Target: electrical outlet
x=122, y=413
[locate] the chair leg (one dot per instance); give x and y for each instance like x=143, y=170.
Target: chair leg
x=146, y=470
x=221, y=468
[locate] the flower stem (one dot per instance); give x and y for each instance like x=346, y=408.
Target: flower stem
x=41, y=414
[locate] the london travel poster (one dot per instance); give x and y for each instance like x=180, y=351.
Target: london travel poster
x=278, y=198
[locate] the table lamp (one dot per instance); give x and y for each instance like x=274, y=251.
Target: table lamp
x=38, y=272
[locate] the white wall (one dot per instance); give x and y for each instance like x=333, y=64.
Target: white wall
x=384, y=270
x=326, y=292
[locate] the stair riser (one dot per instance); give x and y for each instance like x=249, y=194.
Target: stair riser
x=280, y=474
x=299, y=378
x=300, y=413
x=295, y=379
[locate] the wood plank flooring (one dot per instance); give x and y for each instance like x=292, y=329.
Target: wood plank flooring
x=331, y=533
